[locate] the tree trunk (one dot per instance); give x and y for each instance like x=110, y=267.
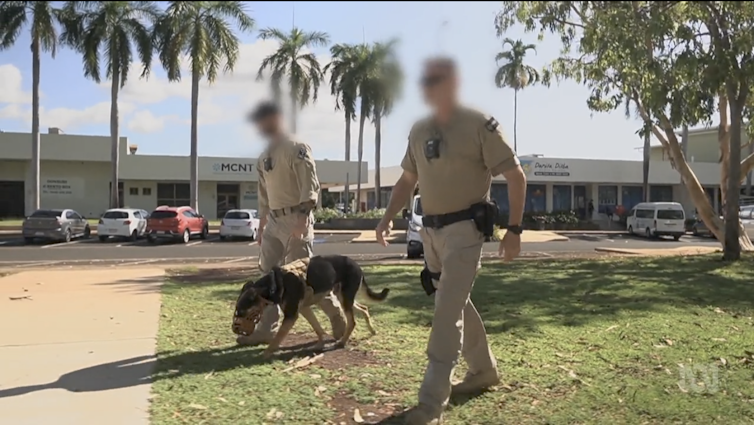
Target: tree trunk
x=360, y=155
x=750, y=151
x=294, y=110
x=645, y=168
x=377, y=159
x=731, y=244
x=515, y=121
x=194, y=159
x=347, y=202
x=35, y=136
x=114, y=136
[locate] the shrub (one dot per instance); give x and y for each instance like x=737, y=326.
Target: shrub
x=323, y=215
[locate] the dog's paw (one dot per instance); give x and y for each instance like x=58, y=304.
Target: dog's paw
x=340, y=344
x=320, y=345
x=267, y=354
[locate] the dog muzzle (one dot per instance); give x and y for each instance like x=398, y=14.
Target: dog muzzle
x=245, y=325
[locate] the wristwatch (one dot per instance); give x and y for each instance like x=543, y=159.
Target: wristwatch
x=516, y=230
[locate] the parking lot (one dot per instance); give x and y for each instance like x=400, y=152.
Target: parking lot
x=94, y=243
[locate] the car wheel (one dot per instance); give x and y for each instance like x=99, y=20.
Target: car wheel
x=223, y=237
x=103, y=238
x=151, y=239
x=695, y=231
x=677, y=237
x=67, y=237
x=28, y=241
x=648, y=233
x=87, y=232
x=205, y=232
x=134, y=236
x=186, y=236
x=630, y=230
x=254, y=235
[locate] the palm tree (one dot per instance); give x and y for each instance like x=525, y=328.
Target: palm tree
x=515, y=74
x=385, y=86
x=645, y=132
x=344, y=87
x=112, y=29
x=42, y=18
x=292, y=61
x=202, y=31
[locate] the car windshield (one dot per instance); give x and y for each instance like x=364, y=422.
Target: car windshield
x=159, y=215
x=670, y=215
x=115, y=214
x=237, y=215
x=46, y=214
x=418, y=206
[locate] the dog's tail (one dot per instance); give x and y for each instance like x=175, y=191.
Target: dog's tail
x=371, y=294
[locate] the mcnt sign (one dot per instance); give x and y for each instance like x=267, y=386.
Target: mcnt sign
x=232, y=167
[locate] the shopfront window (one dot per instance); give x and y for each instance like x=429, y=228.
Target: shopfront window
x=536, y=195
x=499, y=193
x=561, y=198
x=632, y=195
x=607, y=199
x=661, y=194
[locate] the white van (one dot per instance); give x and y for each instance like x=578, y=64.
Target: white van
x=414, y=246
x=653, y=219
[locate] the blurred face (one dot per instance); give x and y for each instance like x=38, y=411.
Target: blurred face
x=439, y=85
x=269, y=126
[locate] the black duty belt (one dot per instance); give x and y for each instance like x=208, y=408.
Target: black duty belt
x=442, y=220
x=281, y=212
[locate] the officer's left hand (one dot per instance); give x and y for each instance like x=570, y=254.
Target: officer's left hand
x=510, y=246
x=301, y=227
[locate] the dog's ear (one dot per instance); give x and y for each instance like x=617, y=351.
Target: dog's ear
x=276, y=285
x=246, y=286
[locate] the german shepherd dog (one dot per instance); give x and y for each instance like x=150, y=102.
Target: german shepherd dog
x=295, y=287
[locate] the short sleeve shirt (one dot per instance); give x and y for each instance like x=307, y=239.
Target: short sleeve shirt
x=472, y=149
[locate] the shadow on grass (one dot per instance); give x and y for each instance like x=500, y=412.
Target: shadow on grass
x=571, y=293
x=143, y=370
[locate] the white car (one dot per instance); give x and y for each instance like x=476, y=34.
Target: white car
x=122, y=223
x=240, y=224
x=415, y=248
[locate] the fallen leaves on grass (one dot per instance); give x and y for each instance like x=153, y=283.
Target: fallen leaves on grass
x=274, y=414
x=197, y=406
x=304, y=362
x=357, y=416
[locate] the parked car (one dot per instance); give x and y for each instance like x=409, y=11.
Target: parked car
x=55, y=225
x=122, y=223
x=176, y=223
x=240, y=224
x=414, y=245
x=653, y=219
x=747, y=221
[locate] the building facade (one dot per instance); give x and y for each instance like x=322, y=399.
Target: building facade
x=75, y=173
x=560, y=184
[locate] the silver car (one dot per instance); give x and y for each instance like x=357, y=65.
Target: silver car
x=55, y=225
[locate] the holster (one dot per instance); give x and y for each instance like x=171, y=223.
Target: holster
x=484, y=215
x=426, y=277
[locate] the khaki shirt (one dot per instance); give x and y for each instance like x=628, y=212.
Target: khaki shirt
x=472, y=150
x=292, y=179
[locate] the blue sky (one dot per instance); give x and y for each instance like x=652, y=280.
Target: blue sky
x=154, y=113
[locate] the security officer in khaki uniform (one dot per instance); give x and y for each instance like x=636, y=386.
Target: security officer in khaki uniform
x=288, y=192
x=453, y=155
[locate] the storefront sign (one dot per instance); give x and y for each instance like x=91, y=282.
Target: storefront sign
x=62, y=188
x=545, y=169
x=232, y=167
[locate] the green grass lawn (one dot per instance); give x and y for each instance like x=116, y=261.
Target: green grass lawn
x=578, y=342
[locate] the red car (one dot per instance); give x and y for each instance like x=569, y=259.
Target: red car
x=176, y=223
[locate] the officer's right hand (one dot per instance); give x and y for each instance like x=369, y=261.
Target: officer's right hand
x=260, y=231
x=382, y=231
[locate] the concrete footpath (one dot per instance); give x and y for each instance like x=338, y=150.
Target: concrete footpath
x=77, y=347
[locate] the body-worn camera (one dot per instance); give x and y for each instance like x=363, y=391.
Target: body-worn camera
x=432, y=148
x=267, y=164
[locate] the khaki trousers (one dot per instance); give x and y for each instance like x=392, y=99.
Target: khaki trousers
x=457, y=329
x=279, y=248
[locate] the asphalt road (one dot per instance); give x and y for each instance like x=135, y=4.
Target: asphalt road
x=14, y=252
